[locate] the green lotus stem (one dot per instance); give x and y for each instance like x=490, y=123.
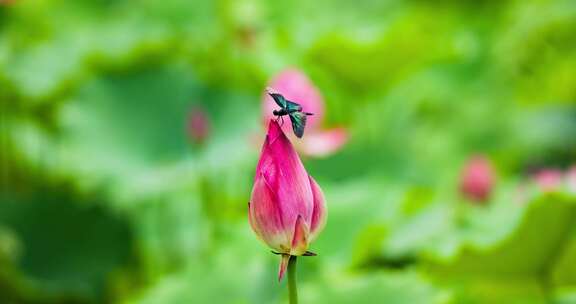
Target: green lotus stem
x=292, y=290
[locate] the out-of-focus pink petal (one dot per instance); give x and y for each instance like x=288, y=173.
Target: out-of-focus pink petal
x=548, y=179
x=477, y=179
x=324, y=143
x=198, y=125
x=319, y=214
x=283, y=266
x=300, y=239
x=266, y=216
x=571, y=179
x=295, y=86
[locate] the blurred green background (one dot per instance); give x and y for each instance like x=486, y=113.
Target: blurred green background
x=107, y=196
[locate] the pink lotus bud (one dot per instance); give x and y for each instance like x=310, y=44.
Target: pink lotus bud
x=548, y=179
x=198, y=125
x=477, y=179
x=287, y=208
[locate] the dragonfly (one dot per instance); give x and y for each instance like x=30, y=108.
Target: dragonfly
x=292, y=109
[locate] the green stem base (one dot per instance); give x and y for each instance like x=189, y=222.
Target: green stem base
x=292, y=290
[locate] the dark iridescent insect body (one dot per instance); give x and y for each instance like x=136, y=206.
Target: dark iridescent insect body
x=284, y=112
x=293, y=110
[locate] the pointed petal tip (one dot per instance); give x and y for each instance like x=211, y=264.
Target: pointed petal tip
x=272, y=123
x=275, y=132
x=283, y=266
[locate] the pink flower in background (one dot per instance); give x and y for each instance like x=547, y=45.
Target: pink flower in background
x=287, y=208
x=571, y=179
x=548, y=179
x=477, y=179
x=295, y=86
x=198, y=125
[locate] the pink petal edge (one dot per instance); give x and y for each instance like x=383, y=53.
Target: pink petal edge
x=265, y=217
x=324, y=143
x=319, y=214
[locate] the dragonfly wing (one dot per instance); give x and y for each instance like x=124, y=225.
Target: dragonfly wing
x=293, y=107
x=298, y=120
x=279, y=99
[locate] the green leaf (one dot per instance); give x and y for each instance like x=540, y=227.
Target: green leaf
x=65, y=250
x=519, y=267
